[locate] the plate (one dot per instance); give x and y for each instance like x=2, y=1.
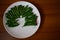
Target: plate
x=19, y=31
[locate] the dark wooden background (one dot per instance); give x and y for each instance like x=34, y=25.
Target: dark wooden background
x=50, y=24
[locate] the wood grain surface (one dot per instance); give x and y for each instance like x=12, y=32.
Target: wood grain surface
x=50, y=20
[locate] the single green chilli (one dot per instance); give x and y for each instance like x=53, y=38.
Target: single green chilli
x=24, y=11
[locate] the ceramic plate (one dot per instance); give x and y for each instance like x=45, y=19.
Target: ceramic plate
x=19, y=31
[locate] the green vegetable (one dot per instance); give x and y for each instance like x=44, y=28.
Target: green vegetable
x=24, y=11
x=12, y=23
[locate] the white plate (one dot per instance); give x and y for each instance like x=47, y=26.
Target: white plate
x=19, y=31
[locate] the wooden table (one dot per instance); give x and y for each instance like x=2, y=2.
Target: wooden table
x=50, y=23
